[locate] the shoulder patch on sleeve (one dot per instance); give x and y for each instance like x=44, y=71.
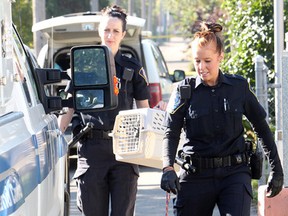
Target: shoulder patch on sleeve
x=175, y=102
x=142, y=73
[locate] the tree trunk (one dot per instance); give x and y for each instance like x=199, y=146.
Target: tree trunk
x=94, y=5
x=131, y=7
x=39, y=14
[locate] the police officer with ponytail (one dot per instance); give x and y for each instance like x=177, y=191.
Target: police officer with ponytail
x=210, y=113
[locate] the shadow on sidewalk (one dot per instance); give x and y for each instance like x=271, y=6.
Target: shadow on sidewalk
x=151, y=199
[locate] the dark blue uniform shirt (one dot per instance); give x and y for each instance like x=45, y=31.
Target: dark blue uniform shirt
x=212, y=119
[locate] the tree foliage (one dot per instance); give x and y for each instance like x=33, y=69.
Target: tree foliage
x=22, y=18
x=248, y=32
x=248, y=29
x=22, y=12
x=56, y=8
x=186, y=13
x=248, y=25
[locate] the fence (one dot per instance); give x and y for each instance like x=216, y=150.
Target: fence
x=265, y=93
x=284, y=86
x=274, y=98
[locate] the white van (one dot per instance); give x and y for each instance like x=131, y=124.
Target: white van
x=34, y=177
x=82, y=28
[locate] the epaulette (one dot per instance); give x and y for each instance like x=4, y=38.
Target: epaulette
x=190, y=81
x=129, y=57
x=234, y=76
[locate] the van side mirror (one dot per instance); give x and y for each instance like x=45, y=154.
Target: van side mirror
x=93, y=78
x=94, y=85
x=177, y=76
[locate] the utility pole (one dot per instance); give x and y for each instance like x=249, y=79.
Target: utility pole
x=265, y=205
x=278, y=52
x=94, y=5
x=261, y=71
x=143, y=12
x=143, y=9
x=149, y=17
x=285, y=109
x=131, y=7
x=117, y=2
x=39, y=14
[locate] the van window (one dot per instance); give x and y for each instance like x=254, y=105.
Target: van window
x=23, y=72
x=62, y=59
x=160, y=63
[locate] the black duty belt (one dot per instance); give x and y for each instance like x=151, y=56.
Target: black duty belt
x=216, y=162
x=99, y=134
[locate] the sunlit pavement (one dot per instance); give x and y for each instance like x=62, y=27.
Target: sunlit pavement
x=151, y=199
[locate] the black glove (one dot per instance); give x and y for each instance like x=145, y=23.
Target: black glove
x=274, y=184
x=170, y=181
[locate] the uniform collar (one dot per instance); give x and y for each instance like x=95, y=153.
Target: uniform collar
x=224, y=79
x=118, y=58
x=221, y=79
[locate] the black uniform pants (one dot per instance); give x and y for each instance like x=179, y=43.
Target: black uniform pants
x=228, y=187
x=105, y=180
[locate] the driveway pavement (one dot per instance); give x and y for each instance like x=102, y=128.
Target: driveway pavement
x=176, y=54
x=151, y=199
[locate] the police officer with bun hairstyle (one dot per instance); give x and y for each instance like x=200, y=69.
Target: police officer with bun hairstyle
x=210, y=113
x=99, y=177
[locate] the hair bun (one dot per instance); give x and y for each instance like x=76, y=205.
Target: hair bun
x=209, y=32
x=213, y=27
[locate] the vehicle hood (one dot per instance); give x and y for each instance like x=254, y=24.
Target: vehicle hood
x=82, y=28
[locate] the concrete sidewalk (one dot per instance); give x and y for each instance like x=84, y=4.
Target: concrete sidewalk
x=176, y=54
x=151, y=199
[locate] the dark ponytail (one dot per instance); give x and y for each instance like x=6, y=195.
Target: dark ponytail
x=116, y=11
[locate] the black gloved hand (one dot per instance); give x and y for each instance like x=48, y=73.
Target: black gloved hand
x=274, y=184
x=170, y=181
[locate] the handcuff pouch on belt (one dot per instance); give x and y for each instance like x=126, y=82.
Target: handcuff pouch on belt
x=186, y=163
x=95, y=134
x=99, y=134
x=256, y=159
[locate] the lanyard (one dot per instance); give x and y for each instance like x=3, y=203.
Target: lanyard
x=167, y=202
